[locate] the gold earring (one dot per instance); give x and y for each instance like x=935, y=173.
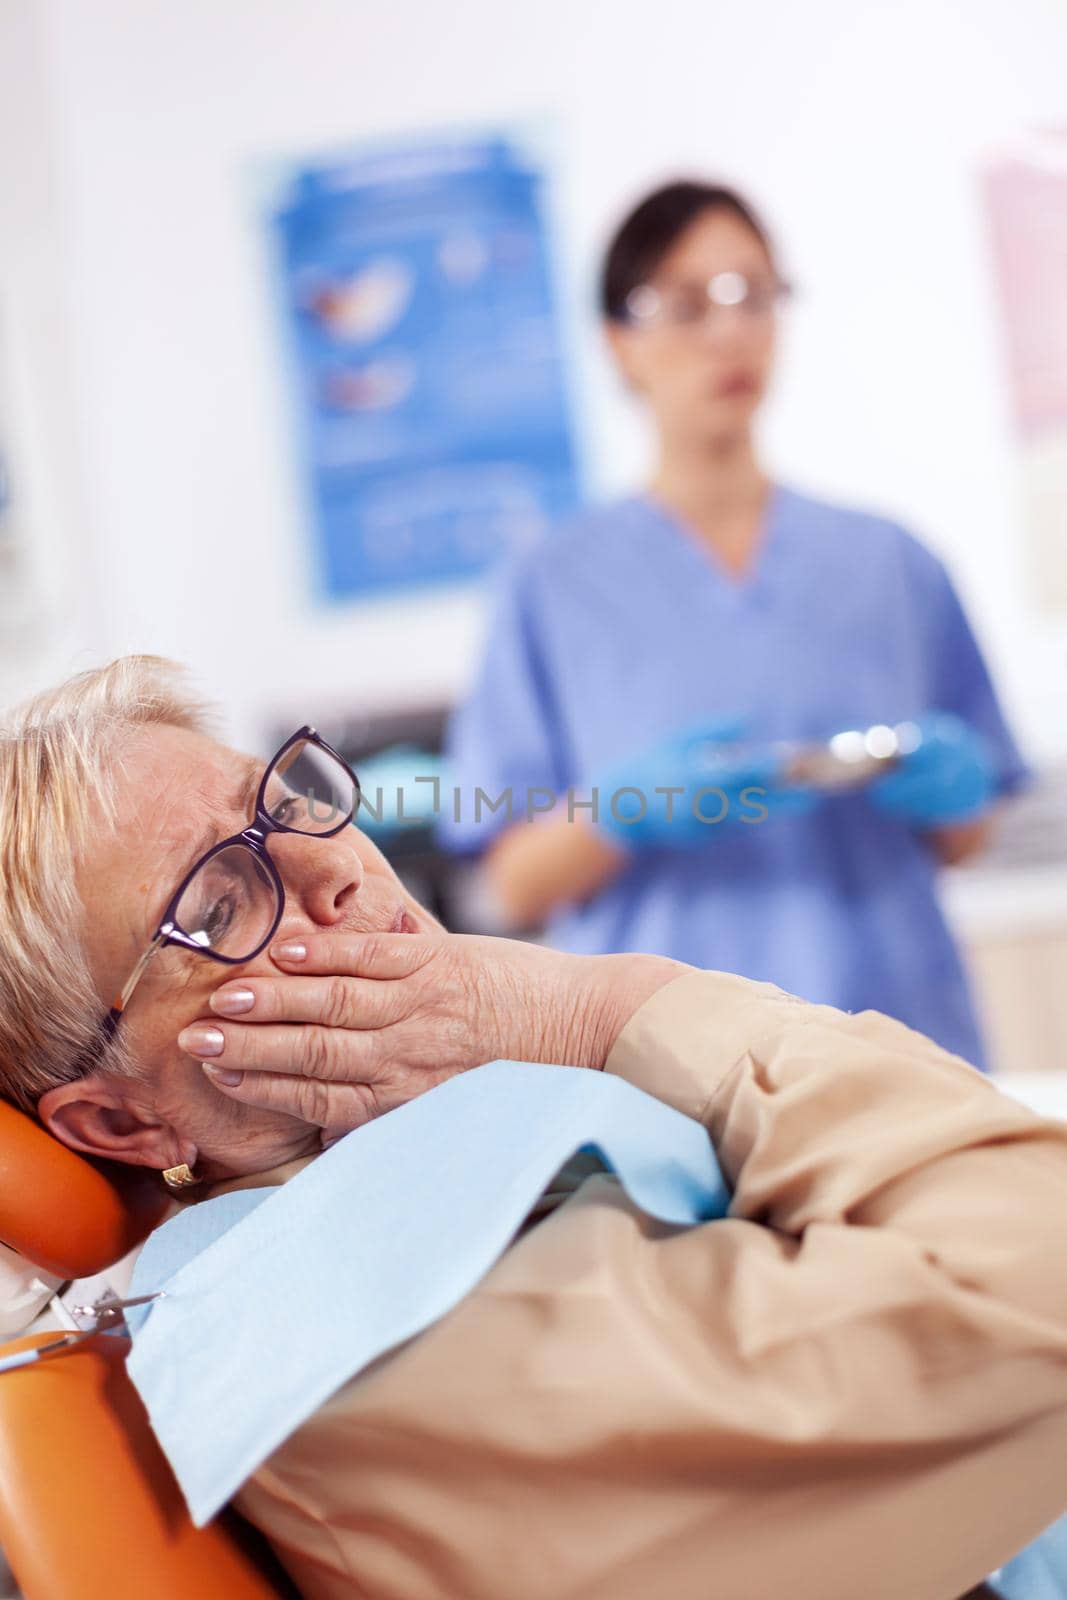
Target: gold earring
x=180, y=1177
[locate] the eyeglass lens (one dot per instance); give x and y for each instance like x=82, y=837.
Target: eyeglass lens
x=309, y=791
x=230, y=905
x=683, y=304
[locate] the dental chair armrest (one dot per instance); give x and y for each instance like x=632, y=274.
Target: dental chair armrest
x=88, y=1504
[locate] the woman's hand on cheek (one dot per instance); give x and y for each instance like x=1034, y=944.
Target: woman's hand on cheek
x=360, y=1023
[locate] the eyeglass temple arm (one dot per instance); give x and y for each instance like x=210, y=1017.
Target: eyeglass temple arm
x=135, y=977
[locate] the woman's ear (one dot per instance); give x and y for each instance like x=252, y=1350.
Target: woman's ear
x=100, y=1118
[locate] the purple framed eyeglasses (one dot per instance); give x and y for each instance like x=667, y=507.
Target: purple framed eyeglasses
x=229, y=904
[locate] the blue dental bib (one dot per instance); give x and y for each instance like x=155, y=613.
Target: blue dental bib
x=276, y=1297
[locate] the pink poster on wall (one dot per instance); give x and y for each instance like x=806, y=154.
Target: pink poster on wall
x=1026, y=189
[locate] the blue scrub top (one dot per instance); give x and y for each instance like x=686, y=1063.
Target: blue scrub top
x=622, y=626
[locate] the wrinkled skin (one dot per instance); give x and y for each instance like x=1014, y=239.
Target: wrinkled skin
x=362, y=1021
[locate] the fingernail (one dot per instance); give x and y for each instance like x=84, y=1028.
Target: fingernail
x=222, y=1075
x=231, y=1002
x=292, y=950
x=200, y=1041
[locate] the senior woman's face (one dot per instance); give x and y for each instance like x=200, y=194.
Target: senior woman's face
x=179, y=793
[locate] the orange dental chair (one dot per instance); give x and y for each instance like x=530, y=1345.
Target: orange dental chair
x=88, y=1505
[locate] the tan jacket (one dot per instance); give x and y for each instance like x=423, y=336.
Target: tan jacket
x=853, y=1389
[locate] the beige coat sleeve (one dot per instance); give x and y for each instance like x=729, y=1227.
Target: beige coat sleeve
x=855, y=1388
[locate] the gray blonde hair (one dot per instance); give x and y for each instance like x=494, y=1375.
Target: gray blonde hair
x=59, y=756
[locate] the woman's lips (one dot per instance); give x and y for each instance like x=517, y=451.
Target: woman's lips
x=734, y=385
x=403, y=922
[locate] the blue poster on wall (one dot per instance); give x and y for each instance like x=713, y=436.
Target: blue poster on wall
x=431, y=398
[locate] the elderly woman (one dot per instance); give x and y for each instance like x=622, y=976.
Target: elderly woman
x=853, y=1385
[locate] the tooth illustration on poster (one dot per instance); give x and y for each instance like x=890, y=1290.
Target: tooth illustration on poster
x=425, y=357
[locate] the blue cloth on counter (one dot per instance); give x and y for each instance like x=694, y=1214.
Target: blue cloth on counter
x=1040, y=1572
x=623, y=625
x=397, y=790
x=275, y=1297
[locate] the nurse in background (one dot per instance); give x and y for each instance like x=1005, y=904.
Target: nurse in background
x=634, y=645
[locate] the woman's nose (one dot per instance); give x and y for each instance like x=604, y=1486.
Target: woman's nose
x=727, y=326
x=322, y=874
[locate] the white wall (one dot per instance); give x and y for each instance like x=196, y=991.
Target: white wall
x=859, y=126
x=47, y=618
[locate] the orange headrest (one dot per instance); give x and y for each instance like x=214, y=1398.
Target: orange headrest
x=69, y=1216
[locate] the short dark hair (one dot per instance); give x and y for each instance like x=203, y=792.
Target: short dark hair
x=654, y=225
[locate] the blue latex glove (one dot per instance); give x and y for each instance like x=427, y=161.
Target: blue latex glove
x=724, y=785
x=949, y=778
